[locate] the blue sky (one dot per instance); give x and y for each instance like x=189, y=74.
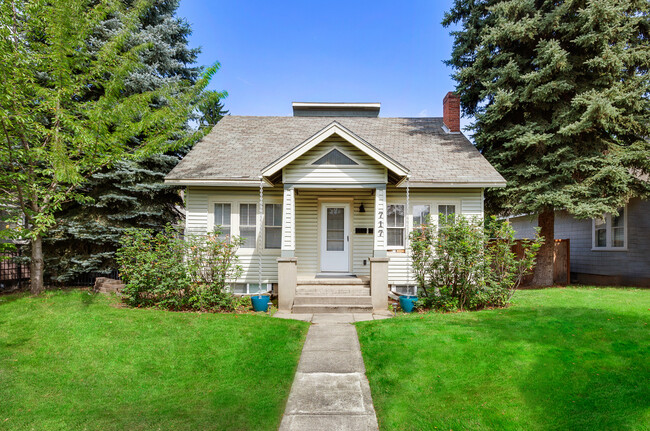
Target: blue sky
x=276, y=52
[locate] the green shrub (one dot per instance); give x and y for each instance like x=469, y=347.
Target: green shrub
x=464, y=264
x=166, y=271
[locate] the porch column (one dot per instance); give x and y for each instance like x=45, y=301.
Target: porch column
x=288, y=263
x=288, y=247
x=380, y=222
x=287, y=281
x=379, y=283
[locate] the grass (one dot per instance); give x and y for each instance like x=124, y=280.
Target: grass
x=74, y=361
x=574, y=358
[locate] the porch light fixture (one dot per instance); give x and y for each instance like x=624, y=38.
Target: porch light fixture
x=362, y=208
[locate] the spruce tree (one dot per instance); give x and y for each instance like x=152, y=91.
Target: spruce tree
x=560, y=95
x=131, y=193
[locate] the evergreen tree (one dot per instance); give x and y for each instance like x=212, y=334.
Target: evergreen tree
x=560, y=94
x=65, y=109
x=211, y=109
x=131, y=193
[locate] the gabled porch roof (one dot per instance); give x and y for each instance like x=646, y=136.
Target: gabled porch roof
x=335, y=128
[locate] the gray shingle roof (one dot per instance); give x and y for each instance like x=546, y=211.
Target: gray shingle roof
x=239, y=147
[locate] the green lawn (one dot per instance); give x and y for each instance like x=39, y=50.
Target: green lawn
x=566, y=359
x=73, y=360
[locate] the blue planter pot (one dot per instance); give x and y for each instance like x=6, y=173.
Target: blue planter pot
x=260, y=303
x=407, y=303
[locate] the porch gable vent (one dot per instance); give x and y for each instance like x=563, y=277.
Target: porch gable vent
x=335, y=157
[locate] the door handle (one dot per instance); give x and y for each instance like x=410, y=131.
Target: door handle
x=348, y=238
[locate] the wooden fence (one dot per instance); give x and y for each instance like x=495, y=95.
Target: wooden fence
x=561, y=262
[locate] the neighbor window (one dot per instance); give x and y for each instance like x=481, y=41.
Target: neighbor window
x=446, y=213
x=273, y=225
x=395, y=226
x=609, y=231
x=421, y=214
x=222, y=218
x=247, y=223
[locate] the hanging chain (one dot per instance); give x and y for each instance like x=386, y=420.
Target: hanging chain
x=259, y=238
x=408, y=235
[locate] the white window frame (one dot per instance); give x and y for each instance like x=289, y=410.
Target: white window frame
x=608, y=233
x=405, y=229
x=212, y=215
x=254, y=248
x=436, y=204
x=411, y=221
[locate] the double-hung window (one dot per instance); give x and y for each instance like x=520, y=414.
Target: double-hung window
x=222, y=218
x=247, y=224
x=395, y=226
x=273, y=226
x=609, y=231
x=421, y=215
x=446, y=213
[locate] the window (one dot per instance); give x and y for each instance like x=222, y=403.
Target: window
x=336, y=158
x=273, y=225
x=609, y=231
x=247, y=223
x=446, y=213
x=395, y=226
x=421, y=214
x=404, y=290
x=250, y=288
x=222, y=218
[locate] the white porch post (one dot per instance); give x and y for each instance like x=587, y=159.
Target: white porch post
x=379, y=262
x=288, y=248
x=288, y=263
x=380, y=222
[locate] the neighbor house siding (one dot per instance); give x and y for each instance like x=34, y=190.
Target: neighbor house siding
x=631, y=264
x=469, y=203
x=301, y=171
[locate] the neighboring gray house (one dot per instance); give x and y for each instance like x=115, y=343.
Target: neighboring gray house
x=341, y=188
x=608, y=250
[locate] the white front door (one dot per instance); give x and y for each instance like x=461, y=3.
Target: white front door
x=335, y=237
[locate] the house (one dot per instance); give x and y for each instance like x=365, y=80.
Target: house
x=608, y=250
x=340, y=187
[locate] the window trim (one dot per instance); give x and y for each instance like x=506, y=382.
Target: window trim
x=405, y=228
x=212, y=215
x=264, y=225
x=608, y=233
x=269, y=288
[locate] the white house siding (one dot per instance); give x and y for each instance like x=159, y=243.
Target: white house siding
x=632, y=265
x=469, y=202
x=200, y=219
x=301, y=171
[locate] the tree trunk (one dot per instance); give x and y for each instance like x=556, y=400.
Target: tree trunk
x=543, y=274
x=36, y=266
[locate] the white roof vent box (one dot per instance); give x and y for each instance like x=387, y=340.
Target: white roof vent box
x=330, y=109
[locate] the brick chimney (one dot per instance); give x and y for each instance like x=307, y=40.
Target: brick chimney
x=451, y=112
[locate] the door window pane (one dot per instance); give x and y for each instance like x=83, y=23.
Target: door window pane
x=335, y=229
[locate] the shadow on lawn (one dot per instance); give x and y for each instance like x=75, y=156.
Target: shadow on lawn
x=590, y=367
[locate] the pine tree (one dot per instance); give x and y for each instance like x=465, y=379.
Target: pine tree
x=130, y=193
x=560, y=95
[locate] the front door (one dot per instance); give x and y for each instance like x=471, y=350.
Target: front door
x=335, y=237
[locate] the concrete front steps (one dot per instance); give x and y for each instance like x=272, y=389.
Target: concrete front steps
x=333, y=295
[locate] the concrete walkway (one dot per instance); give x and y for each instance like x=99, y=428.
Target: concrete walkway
x=330, y=390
